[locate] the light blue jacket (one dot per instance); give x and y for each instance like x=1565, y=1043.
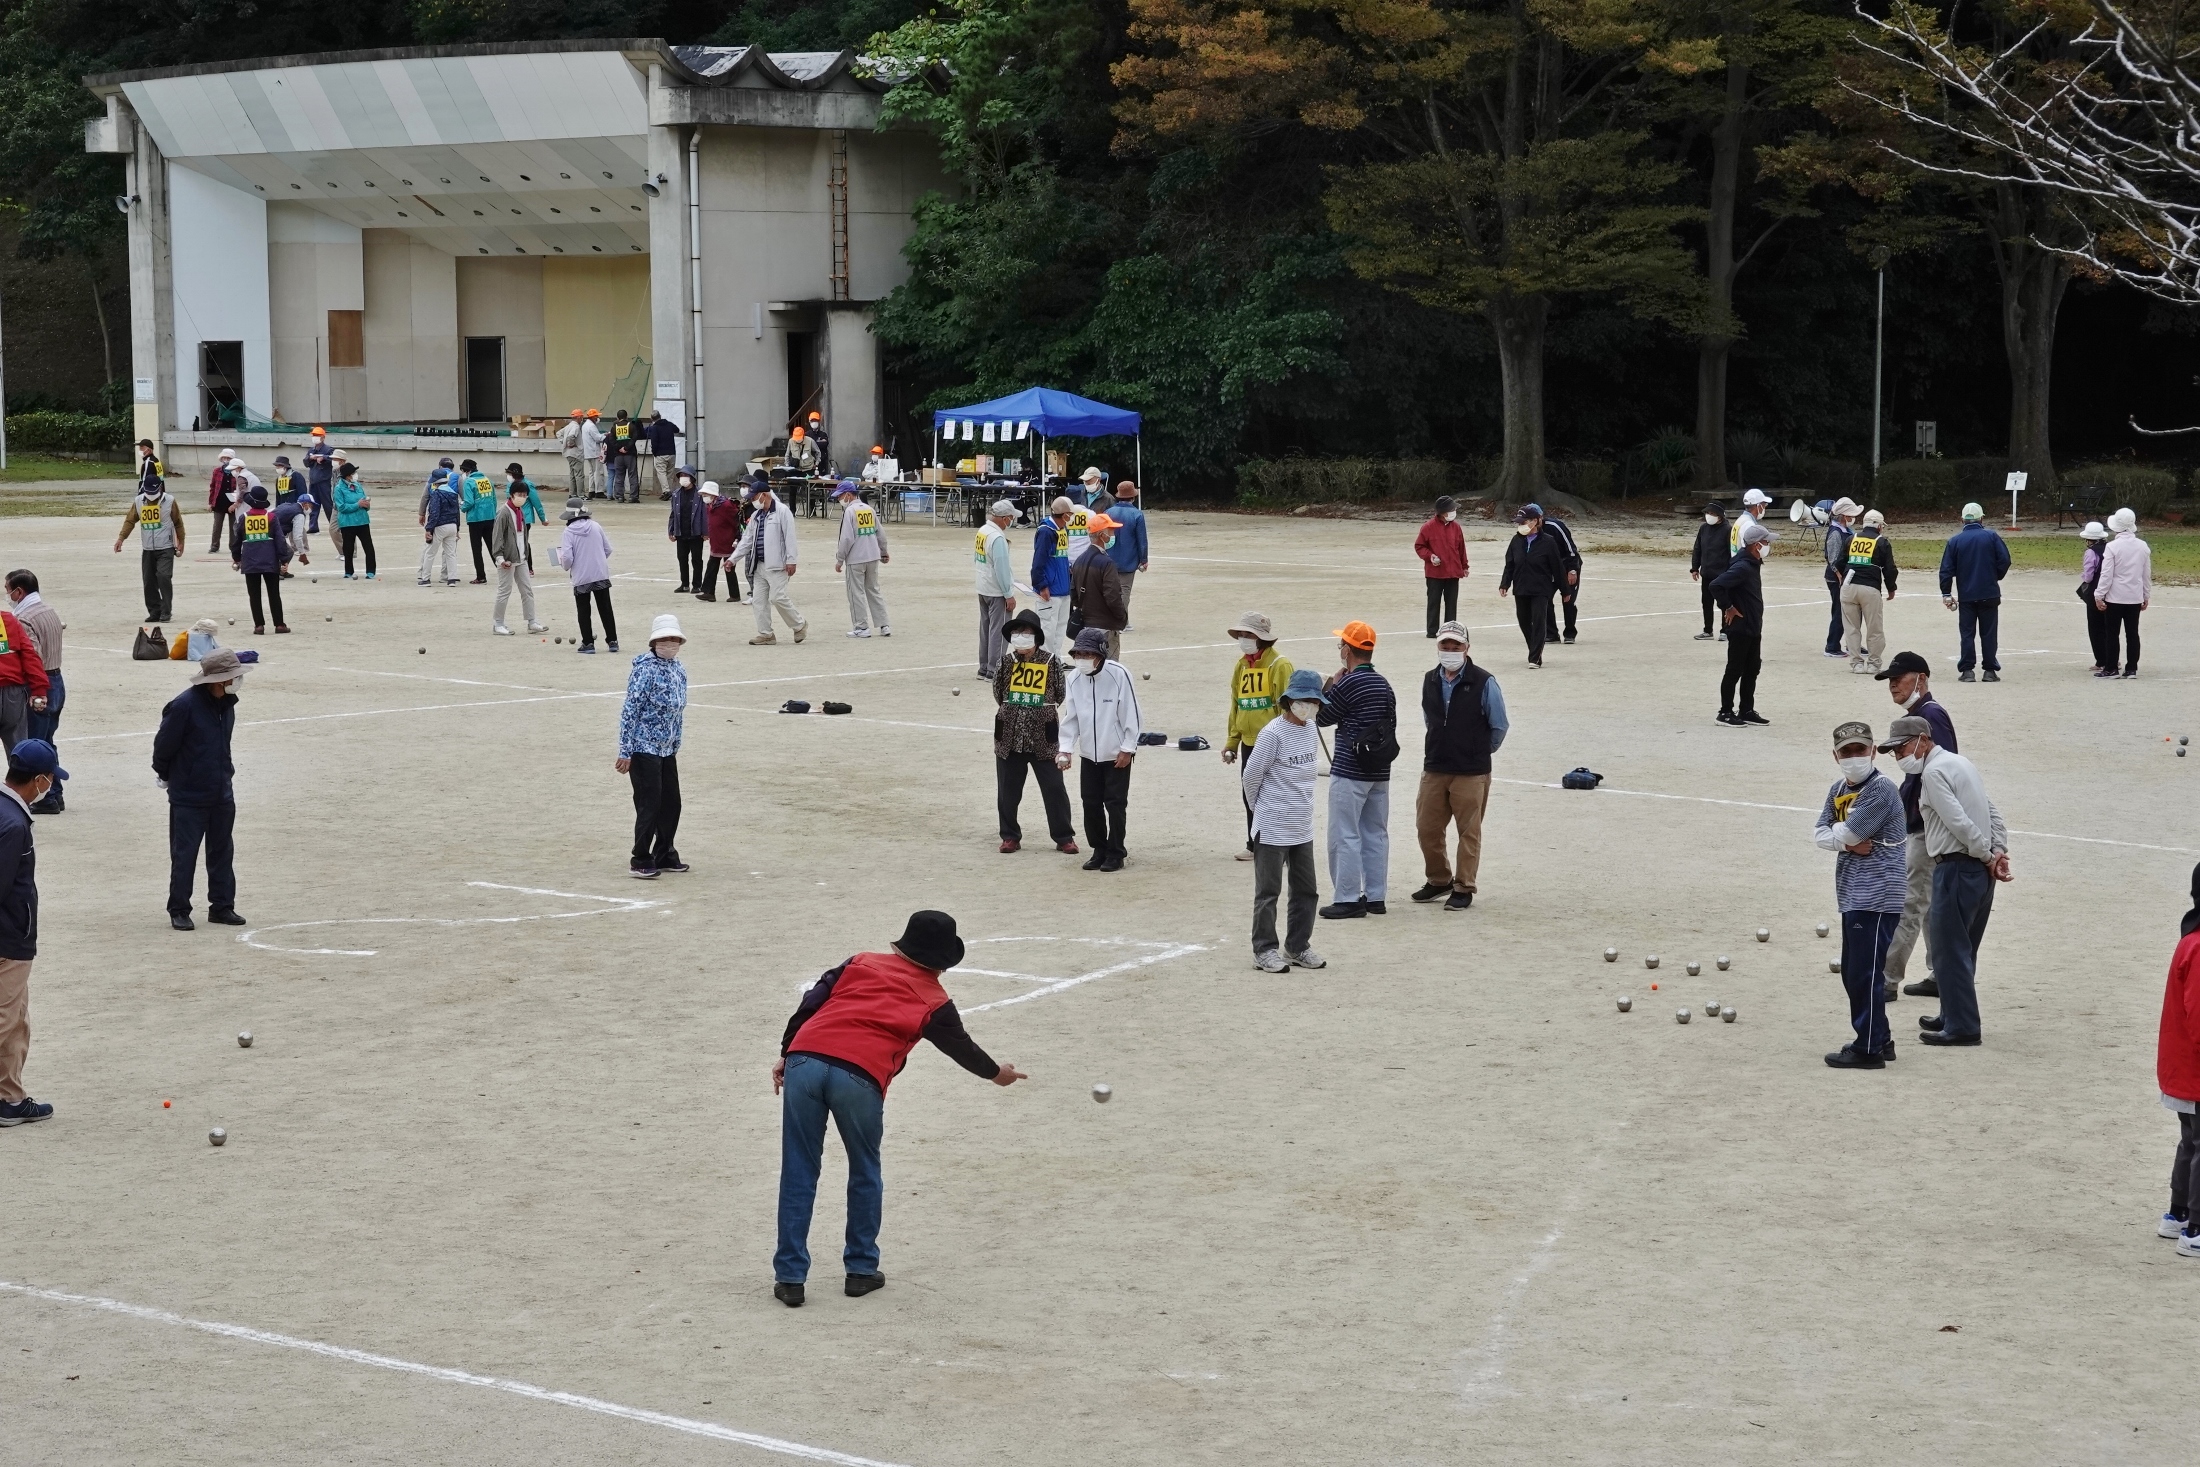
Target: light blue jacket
x=1128, y=550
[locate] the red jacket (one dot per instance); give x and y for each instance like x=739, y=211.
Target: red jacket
x=1443, y=550
x=2177, y=1055
x=722, y=523
x=217, y=482
x=19, y=660
x=880, y=1004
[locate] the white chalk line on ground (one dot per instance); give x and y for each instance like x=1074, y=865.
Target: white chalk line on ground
x=2087, y=840
x=1486, y=1383
x=1164, y=952
x=685, y=1425
x=612, y=905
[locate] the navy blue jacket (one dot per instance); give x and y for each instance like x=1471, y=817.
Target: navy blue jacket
x=442, y=502
x=191, y=751
x=1974, y=561
x=686, y=517
x=18, y=883
x=268, y=555
x=663, y=436
x=1740, y=587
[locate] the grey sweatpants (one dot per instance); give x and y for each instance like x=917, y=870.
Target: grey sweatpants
x=992, y=616
x=507, y=575
x=1915, y=904
x=1269, y=866
x=866, y=605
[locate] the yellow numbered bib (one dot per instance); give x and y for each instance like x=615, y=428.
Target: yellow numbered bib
x=149, y=515
x=1254, y=689
x=1841, y=804
x=1080, y=522
x=978, y=551
x=255, y=527
x=1027, y=682
x=866, y=520
x=1862, y=548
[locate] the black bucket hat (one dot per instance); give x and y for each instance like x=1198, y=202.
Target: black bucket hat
x=929, y=941
x=1026, y=620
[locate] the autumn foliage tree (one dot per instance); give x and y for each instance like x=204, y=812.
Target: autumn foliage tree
x=1497, y=163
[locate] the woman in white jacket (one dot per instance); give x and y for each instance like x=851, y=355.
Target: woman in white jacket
x=2125, y=586
x=1099, y=728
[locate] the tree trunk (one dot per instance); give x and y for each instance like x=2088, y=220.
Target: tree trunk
x=1717, y=342
x=106, y=345
x=1518, y=323
x=2033, y=283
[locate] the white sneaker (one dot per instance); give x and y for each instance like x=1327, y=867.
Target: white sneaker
x=885, y=631
x=1309, y=959
x=538, y=626
x=2189, y=1246
x=2170, y=1227
x=503, y=630
x=1245, y=855
x=860, y=632
x=1271, y=961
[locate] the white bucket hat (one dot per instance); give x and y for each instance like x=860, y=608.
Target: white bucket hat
x=709, y=489
x=666, y=626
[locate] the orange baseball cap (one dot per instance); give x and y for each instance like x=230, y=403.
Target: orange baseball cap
x=319, y=430
x=1102, y=522
x=1356, y=634
x=595, y=413
x=815, y=418
x=797, y=433
x=578, y=413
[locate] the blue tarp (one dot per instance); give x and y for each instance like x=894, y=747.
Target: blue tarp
x=1051, y=414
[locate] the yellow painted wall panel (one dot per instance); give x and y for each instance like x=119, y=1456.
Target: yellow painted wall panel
x=595, y=320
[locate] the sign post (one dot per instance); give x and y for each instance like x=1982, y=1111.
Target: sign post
x=2016, y=487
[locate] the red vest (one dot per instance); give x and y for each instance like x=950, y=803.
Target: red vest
x=875, y=1016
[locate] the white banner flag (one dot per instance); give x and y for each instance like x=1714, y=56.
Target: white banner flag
x=989, y=432
x=1023, y=430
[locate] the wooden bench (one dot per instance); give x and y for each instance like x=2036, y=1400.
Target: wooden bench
x=2086, y=502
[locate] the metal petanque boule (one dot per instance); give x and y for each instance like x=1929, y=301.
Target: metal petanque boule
x=1650, y=961
x=1764, y=934
x=1726, y=1015
x=1694, y=968
x=1833, y=965
x=957, y=692
x=1103, y=1093
x=1711, y=1009
x=1680, y=1016
x=1725, y=962
x=244, y=1039
x=1823, y=929
x=1611, y=955
x=217, y=1137
x=1625, y=1003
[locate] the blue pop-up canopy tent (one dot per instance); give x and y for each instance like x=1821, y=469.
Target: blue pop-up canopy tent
x=1049, y=414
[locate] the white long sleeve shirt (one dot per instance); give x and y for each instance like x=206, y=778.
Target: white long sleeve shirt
x=2127, y=570
x=1099, y=717
x=1278, y=780
x=1959, y=819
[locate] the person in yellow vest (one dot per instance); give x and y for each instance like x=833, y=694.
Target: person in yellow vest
x=1257, y=681
x=1078, y=530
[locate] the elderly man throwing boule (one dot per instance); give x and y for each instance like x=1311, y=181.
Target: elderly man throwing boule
x=847, y=1040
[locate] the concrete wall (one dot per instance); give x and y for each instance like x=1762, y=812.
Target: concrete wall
x=314, y=266
x=411, y=330
x=595, y=324
x=503, y=297
x=218, y=251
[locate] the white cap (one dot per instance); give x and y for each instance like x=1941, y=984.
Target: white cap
x=1845, y=505
x=1756, y=496
x=1873, y=519
x=666, y=626
x=228, y=453
x=1090, y=474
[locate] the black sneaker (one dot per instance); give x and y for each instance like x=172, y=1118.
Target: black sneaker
x=1753, y=718
x=860, y=1284
x=23, y=1112
x=1728, y=719
x=1095, y=861
x=1375, y=909
x=181, y=921
x=674, y=864
x=1991, y=676
x=788, y=1294
x=1339, y=910
x=642, y=873
x=1112, y=863
x=1950, y=1041
x=1431, y=892
x=1847, y=1057
x=1966, y=677
x=227, y=916
x=1460, y=901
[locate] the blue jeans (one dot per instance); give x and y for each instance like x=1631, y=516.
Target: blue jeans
x=43, y=723
x=814, y=1090
x=1984, y=619
x=1864, y=939
x=1359, y=839
x=1963, y=898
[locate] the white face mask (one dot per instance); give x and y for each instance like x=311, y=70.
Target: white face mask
x=1450, y=515
x=1917, y=696
x=667, y=649
x=1522, y=529
x=1710, y=519
x=1248, y=646
x=1856, y=771
x=1305, y=711
x=1911, y=763
x=1023, y=641
x=1088, y=666
x=1451, y=661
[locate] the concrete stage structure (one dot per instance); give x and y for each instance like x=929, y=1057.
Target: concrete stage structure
x=444, y=236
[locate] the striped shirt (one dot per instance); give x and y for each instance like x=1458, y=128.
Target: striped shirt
x=1361, y=703
x=1278, y=779
x=1871, y=811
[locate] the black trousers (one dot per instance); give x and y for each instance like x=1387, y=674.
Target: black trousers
x=1444, y=591
x=1570, y=599
x=360, y=536
x=214, y=826
x=158, y=570
x=710, y=578
x=1710, y=607
x=690, y=550
x=1836, y=634
x=1745, y=657
x=272, y=582
x=656, y=808
x=1982, y=619
x=1008, y=784
x=477, y=535
x=221, y=525
x=1560, y=605
x=1106, y=793
x=2123, y=615
x=2096, y=635
x=603, y=606
x=2184, y=1171
x=1534, y=615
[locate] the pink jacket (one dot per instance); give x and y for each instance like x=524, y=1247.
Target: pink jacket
x=2127, y=570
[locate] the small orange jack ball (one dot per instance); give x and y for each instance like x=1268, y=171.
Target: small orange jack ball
x=1653, y=988
x=164, y=1104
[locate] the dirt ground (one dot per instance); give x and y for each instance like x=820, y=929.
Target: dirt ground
x=508, y=1112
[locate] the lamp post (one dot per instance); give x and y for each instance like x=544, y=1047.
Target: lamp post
x=1879, y=257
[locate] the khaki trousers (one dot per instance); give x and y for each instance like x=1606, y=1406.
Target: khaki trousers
x=1917, y=905
x=15, y=1025
x=1863, y=612
x=1445, y=798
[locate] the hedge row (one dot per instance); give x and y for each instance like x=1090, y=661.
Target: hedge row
x=59, y=432
x=1288, y=481
x=1951, y=483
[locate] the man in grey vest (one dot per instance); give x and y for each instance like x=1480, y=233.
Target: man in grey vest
x=158, y=519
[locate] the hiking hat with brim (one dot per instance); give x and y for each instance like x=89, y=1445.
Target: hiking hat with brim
x=218, y=666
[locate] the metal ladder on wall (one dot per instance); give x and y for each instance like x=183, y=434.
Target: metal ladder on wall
x=838, y=183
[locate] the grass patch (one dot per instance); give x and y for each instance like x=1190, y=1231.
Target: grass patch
x=38, y=468
x=103, y=502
